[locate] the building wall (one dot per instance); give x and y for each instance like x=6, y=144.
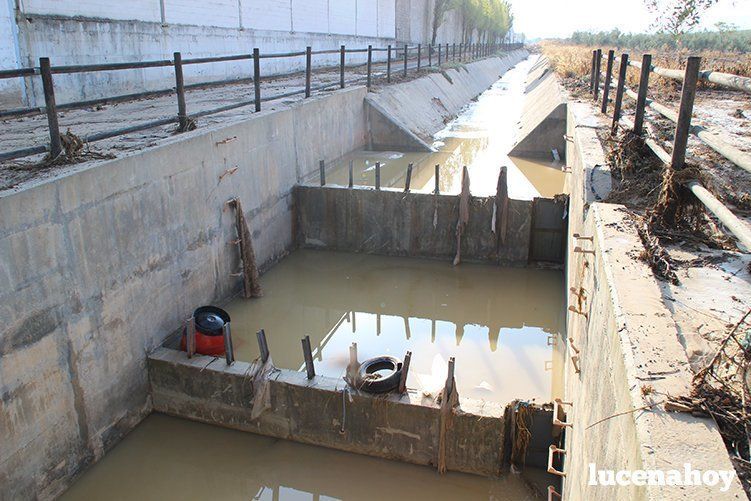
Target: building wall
x=93, y=31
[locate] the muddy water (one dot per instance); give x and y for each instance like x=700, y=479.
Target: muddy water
x=500, y=324
x=166, y=458
x=480, y=138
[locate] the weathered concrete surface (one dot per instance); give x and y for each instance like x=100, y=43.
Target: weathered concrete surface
x=421, y=107
x=628, y=340
x=98, y=266
x=402, y=427
x=394, y=223
x=543, y=121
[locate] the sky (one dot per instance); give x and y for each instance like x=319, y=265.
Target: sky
x=559, y=18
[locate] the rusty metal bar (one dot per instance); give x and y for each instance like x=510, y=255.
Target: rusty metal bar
x=56, y=146
x=598, y=62
x=406, y=52
x=342, y=52
x=370, y=65
x=263, y=345
x=308, y=69
x=388, y=64
x=182, y=113
x=683, y=125
x=405, y=372
x=257, y=78
x=308, y=355
x=409, y=178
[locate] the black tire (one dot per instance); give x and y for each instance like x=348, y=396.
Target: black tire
x=366, y=382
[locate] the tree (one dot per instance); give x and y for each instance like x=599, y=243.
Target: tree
x=439, y=12
x=679, y=16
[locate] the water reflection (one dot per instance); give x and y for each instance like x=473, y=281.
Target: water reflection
x=168, y=458
x=480, y=138
x=499, y=323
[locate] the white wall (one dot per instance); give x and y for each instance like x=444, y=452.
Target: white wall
x=10, y=89
x=140, y=10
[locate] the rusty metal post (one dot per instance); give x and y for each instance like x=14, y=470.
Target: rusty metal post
x=405, y=372
x=430, y=54
x=597, y=74
x=619, y=92
x=439, y=55
x=342, y=52
x=190, y=336
x=437, y=179
x=257, y=78
x=608, y=80
x=388, y=64
x=447, y=53
x=419, y=55
x=308, y=356
x=351, y=175
x=683, y=126
x=453, y=51
x=641, y=98
x=378, y=175
x=229, y=350
x=406, y=52
x=50, y=107
x=263, y=345
x=308, y=68
x=408, y=181
x=322, y=169
x=370, y=65
x=182, y=113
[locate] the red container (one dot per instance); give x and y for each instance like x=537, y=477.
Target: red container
x=210, y=322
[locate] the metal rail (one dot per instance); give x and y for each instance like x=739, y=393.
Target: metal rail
x=728, y=80
x=46, y=70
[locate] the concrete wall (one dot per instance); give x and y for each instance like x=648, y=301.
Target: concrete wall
x=390, y=222
x=421, y=107
x=10, y=89
x=97, y=267
x=399, y=427
x=627, y=340
x=542, y=124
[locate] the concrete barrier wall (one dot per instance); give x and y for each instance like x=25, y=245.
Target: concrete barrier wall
x=395, y=223
x=542, y=124
x=627, y=340
x=409, y=113
x=401, y=427
x=98, y=266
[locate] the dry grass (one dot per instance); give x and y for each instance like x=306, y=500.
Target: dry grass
x=573, y=62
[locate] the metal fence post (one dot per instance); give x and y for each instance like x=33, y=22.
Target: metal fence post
x=405, y=59
x=257, y=77
x=592, y=72
x=430, y=54
x=342, y=52
x=453, y=51
x=308, y=68
x=619, y=92
x=439, y=54
x=598, y=62
x=641, y=99
x=56, y=146
x=322, y=170
x=419, y=55
x=388, y=64
x=608, y=80
x=182, y=113
x=447, y=52
x=688, y=93
x=460, y=52
x=370, y=64
x=378, y=175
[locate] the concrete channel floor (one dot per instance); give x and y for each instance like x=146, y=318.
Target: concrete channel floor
x=30, y=131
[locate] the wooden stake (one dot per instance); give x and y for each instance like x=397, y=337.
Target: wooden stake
x=308, y=355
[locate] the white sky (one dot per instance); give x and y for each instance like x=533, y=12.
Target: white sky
x=559, y=18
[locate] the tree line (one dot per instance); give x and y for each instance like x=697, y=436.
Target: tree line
x=725, y=38
x=488, y=20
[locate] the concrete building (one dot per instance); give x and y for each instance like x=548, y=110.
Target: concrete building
x=96, y=31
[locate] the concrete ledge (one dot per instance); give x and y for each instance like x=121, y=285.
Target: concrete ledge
x=543, y=121
x=401, y=427
x=391, y=222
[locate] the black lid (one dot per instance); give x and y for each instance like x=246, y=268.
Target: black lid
x=210, y=320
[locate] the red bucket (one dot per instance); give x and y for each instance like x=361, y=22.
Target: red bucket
x=210, y=322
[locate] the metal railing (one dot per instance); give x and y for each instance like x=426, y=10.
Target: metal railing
x=442, y=53
x=682, y=118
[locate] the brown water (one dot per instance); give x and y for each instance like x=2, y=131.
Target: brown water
x=166, y=458
x=499, y=323
x=480, y=138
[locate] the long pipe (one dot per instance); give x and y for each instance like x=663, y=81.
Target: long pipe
x=737, y=227
x=725, y=79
